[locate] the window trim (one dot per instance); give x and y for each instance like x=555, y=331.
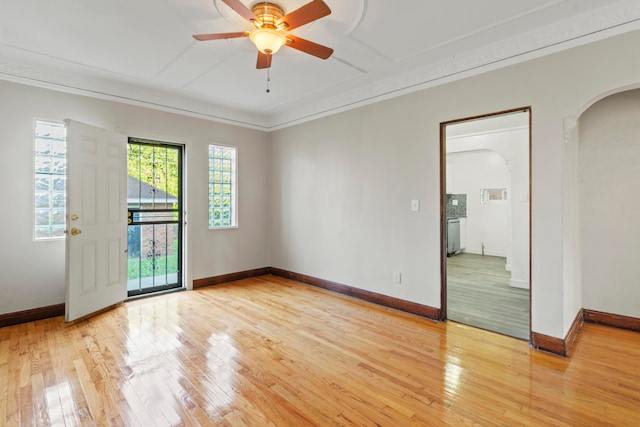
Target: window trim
x=234, y=188
x=35, y=237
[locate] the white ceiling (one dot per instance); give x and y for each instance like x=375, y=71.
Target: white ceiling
x=142, y=52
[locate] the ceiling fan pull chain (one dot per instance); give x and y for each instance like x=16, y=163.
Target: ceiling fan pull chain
x=268, y=78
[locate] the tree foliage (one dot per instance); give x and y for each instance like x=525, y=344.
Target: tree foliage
x=155, y=165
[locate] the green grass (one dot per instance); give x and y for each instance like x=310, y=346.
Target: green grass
x=141, y=268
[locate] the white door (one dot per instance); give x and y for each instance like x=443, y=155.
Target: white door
x=96, y=242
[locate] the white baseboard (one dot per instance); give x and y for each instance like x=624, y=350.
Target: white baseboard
x=479, y=252
x=522, y=284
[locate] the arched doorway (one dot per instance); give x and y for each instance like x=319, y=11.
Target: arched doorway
x=608, y=177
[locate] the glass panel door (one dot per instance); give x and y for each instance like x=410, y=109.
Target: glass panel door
x=154, y=201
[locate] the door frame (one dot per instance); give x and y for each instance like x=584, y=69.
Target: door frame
x=443, y=201
x=160, y=141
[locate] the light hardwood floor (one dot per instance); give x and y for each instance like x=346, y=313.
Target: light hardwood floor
x=478, y=294
x=272, y=352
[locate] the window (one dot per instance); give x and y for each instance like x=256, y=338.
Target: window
x=222, y=187
x=50, y=181
x=493, y=195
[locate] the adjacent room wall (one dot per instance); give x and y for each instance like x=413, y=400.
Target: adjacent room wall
x=609, y=178
x=341, y=186
x=513, y=146
x=33, y=272
x=487, y=224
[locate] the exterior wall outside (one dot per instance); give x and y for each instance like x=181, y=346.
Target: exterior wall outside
x=149, y=239
x=33, y=273
x=341, y=185
x=160, y=235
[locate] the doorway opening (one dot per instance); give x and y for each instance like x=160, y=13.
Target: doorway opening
x=485, y=213
x=154, y=203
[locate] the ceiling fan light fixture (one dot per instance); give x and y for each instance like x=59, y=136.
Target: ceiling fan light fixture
x=267, y=40
x=272, y=28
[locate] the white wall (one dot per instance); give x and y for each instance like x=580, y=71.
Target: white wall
x=609, y=179
x=487, y=223
x=32, y=273
x=572, y=274
x=341, y=185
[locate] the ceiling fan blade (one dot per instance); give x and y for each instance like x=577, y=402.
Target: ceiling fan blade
x=240, y=9
x=305, y=14
x=264, y=60
x=306, y=46
x=218, y=36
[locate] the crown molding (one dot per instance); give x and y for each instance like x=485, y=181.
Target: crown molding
x=129, y=93
x=621, y=17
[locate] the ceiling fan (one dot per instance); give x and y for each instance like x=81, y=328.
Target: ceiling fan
x=272, y=28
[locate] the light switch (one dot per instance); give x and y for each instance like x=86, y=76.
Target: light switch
x=454, y=202
x=415, y=205
x=397, y=277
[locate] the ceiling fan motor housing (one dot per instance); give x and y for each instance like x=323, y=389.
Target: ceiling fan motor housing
x=267, y=15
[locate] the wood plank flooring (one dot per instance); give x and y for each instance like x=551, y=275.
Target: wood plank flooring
x=272, y=352
x=478, y=294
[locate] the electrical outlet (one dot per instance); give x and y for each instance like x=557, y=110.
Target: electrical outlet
x=397, y=277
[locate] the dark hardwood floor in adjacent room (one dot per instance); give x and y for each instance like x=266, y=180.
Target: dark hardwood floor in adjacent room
x=273, y=352
x=478, y=294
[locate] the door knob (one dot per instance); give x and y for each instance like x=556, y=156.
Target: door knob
x=75, y=231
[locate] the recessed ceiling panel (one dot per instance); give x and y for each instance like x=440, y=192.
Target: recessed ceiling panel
x=398, y=30
x=198, y=59
x=134, y=38
x=237, y=82
x=303, y=78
